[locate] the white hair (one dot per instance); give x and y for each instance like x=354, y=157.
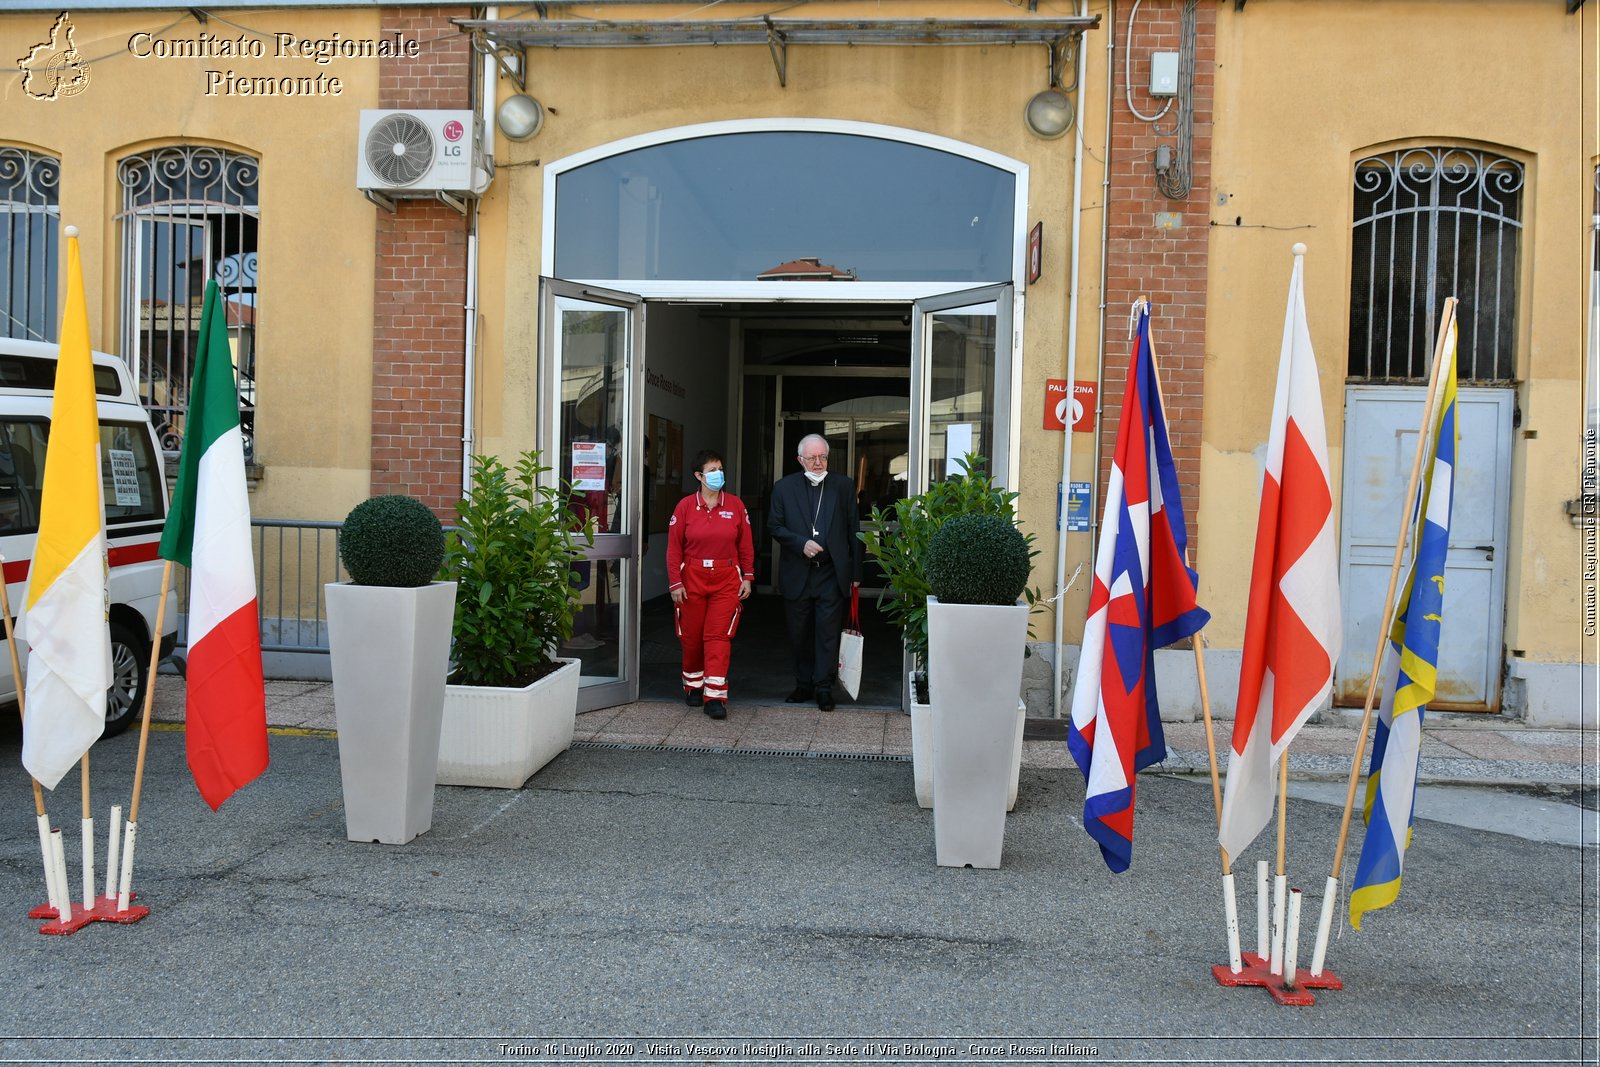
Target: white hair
x=800, y=448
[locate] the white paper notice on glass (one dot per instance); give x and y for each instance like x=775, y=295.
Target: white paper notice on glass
x=124, y=477
x=957, y=443
x=589, y=466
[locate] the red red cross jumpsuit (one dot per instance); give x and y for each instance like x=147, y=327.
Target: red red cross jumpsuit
x=709, y=552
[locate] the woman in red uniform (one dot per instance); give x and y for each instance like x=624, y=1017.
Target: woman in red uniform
x=710, y=563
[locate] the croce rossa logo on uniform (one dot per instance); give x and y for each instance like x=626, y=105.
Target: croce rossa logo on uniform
x=53, y=69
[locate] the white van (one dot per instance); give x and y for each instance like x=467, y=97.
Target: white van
x=135, y=487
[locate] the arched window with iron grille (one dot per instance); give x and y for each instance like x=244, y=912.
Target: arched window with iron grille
x=1432, y=223
x=190, y=213
x=30, y=217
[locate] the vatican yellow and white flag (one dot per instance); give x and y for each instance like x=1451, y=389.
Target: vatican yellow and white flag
x=69, y=641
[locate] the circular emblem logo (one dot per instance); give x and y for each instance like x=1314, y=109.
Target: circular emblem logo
x=453, y=130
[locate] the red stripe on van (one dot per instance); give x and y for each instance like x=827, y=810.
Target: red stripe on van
x=116, y=556
x=123, y=555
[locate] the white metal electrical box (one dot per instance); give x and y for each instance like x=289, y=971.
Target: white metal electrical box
x=1163, y=74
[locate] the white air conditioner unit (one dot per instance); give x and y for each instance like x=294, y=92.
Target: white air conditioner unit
x=410, y=154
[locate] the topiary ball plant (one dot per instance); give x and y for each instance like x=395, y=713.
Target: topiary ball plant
x=977, y=559
x=392, y=541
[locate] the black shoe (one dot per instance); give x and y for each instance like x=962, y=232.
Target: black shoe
x=801, y=694
x=716, y=709
x=695, y=697
x=825, y=699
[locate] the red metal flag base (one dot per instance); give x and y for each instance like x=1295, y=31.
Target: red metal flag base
x=1258, y=972
x=104, y=910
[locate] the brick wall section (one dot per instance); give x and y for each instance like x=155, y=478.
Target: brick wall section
x=1166, y=265
x=420, y=287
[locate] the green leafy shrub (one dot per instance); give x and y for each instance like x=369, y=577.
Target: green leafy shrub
x=392, y=541
x=512, y=554
x=898, y=540
x=977, y=559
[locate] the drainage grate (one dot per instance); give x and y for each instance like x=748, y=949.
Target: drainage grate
x=709, y=750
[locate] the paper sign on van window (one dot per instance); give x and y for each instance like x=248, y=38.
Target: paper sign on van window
x=588, y=466
x=124, y=477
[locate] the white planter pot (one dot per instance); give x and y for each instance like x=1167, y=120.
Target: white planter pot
x=390, y=649
x=975, y=682
x=922, y=751
x=499, y=737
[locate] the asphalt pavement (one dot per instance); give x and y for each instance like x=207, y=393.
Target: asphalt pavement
x=663, y=893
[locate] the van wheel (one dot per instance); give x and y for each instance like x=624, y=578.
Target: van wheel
x=130, y=674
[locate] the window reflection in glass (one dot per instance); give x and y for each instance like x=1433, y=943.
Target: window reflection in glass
x=961, y=389
x=737, y=206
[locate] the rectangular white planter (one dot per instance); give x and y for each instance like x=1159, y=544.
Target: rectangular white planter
x=498, y=738
x=922, y=751
x=975, y=682
x=390, y=649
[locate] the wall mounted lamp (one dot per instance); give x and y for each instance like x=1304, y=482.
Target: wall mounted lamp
x=520, y=117
x=1049, y=114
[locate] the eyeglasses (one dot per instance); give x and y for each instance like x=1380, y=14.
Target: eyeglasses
x=820, y=457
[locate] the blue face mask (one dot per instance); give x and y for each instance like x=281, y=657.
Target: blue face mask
x=715, y=479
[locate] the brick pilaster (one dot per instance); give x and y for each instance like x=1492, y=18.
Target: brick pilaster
x=1168, y=265
x=420, y=287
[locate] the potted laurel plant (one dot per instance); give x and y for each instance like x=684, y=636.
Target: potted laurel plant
x=977, y=568
x=898, y=539
x=389, y=640
x=510, y=703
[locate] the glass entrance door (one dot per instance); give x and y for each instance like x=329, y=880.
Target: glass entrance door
x=591, y=367
x=961, y=370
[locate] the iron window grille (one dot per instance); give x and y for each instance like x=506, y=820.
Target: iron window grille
x=1431, y=223
x=30, y=215
x=190, y=213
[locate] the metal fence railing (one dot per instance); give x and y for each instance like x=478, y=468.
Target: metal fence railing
x=294, y=559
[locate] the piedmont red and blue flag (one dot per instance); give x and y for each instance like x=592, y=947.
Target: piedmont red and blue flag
x=208, y=531
x=1143, y=599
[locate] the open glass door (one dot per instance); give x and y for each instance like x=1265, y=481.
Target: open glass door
x=961, y=371
x=590, y=374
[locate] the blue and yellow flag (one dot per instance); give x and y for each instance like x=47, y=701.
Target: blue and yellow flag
x=1410, y=670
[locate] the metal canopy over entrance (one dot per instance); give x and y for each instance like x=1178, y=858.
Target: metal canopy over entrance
x=500, y=35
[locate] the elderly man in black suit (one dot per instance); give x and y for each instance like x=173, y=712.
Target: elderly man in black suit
x=813, y=518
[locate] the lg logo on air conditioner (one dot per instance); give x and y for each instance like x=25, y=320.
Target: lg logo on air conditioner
x=453, y=131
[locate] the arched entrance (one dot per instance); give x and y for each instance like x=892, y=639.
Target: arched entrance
x=893, y=252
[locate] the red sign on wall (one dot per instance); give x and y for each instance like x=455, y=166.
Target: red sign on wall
x=1079, y=411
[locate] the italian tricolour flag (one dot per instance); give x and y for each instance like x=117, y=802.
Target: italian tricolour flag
x=208, y=531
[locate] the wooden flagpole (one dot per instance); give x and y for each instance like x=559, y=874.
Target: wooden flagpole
x=88, y=836
x=1446, y=319
x=1280, y=880
x=131, y=829
x=1197, y=641
x=1230, y=903
x=55, y=894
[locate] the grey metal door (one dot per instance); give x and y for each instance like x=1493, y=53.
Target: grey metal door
x=1380, y=439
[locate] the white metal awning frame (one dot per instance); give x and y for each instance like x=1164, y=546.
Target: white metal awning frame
x=509, y=39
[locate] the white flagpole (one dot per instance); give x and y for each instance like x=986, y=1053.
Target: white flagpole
x=1262, y=926
x=113, y=850
x=53, y=894
x=125, y=884
x=125, y=888
x=1294, y=939
x=58, y=858
x=88, y=862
